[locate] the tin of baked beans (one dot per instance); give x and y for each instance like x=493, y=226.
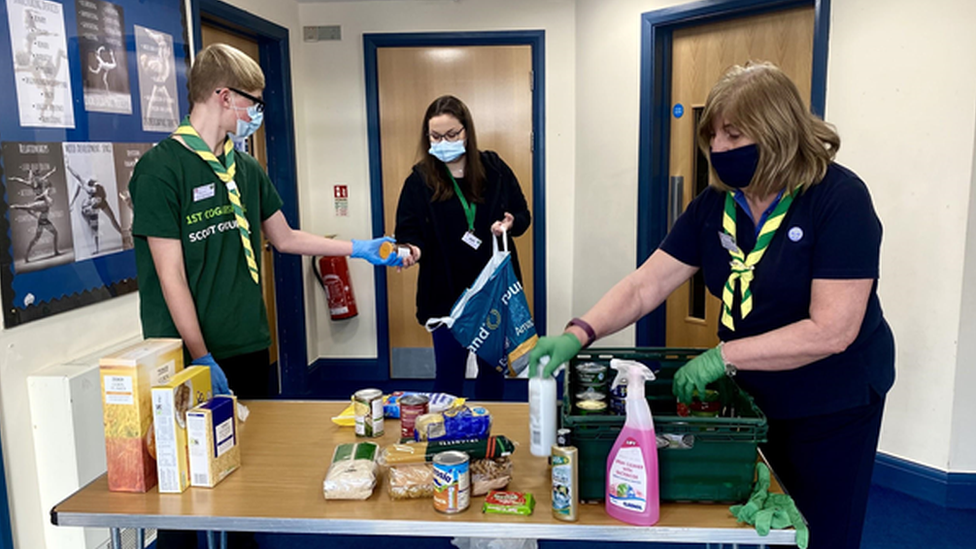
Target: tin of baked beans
x=452, y=482
x=412, y=407
x=368, y=405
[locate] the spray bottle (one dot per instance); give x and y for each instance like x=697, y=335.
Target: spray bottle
x=542, y=411
x=633, y=493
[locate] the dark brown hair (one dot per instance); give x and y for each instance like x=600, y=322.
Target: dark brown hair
x=434, y=171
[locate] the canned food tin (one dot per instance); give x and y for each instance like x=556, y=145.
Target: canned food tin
x=452, y=482
x=411, y=407
x=368, y=404
x=591, y=374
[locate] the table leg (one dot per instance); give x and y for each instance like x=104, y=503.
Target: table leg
x=211, y=540
x=223, y=540
x=116, y=538
x=140, y=538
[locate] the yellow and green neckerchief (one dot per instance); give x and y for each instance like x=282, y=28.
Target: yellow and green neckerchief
x=226, y=174
x=743, y=266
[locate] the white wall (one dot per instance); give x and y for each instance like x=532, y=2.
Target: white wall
x=336, y=149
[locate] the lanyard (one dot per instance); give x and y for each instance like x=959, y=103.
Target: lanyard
x=743, y=267
x=469, y=209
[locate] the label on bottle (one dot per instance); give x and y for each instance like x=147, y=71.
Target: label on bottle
x=562, y=485
x=627, y=481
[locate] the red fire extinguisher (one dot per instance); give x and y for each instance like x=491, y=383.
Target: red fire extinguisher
x=333, y=274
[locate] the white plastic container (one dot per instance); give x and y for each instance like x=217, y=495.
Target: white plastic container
x=542, y=411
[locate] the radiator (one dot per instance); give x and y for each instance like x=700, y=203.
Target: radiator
x=69, y=443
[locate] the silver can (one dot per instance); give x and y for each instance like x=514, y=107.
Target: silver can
x=368, y=405
x=452, y=482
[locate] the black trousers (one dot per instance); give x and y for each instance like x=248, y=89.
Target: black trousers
x=451, y=360
x=249, y=376
x=825, y=462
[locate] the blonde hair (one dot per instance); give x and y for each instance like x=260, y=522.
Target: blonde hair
x=218, y=66
x=795, y=146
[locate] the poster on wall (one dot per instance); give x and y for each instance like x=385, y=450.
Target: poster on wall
x=101, y=47
x=40, y=63
x=93, y=202
x=157, y=80
x=37, y=191
x=126, y=156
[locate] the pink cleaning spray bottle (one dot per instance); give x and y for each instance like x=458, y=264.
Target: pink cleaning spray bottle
x=633, y=493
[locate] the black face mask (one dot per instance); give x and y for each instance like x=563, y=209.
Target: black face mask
x=736, y=167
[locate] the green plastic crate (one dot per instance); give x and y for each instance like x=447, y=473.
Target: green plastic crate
x=710, y=459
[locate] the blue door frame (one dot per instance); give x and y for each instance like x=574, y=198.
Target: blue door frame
x=6, y=534
x=657, y=29
x=377, y=370
x=280, y=141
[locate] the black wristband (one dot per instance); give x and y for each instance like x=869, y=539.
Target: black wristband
x=585, y=326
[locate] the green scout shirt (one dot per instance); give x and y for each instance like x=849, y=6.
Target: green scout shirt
x=175, y=194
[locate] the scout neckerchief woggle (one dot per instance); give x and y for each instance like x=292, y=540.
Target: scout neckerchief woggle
x=469, y=210
x=226, y=174
x=743, y=266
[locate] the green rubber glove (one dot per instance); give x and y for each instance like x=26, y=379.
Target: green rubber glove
x=559, y=349
x=697, y=373
x=766, y=511
x=747, y=513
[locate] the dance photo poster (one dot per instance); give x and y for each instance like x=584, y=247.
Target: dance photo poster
x=95, y=84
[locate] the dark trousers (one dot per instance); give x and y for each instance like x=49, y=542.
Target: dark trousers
x=451, y=358
x=825, y=462
x=249, y=376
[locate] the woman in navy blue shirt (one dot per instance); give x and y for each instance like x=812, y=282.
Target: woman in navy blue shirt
x=790, y=241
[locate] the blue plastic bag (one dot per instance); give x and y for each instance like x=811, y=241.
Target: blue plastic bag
x=491, y=318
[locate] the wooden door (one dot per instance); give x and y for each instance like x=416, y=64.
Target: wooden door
x=495, y=83
x=256, y=147
x=700, y=55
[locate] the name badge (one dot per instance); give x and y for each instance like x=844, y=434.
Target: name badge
x=728, y=242
x=203, y=192
x=471, y=240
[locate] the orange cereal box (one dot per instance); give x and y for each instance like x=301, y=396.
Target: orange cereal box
x=128, y=377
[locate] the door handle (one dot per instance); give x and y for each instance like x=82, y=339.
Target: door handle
x=676, y=191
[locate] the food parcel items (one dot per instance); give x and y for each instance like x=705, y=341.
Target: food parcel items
x=352, y=474
x=127, y=379
x=420, y=452
x=437, y=402
x=509, y=503
x=416, y=480
x=215, y=450
x=459, y=422
x=171, y=401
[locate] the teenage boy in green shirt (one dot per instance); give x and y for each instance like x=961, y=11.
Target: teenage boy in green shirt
x=192, y=194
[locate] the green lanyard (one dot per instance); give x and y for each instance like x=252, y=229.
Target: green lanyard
x=468, y=208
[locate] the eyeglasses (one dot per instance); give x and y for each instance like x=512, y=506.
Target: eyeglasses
x=258, y=102
x=452, y=135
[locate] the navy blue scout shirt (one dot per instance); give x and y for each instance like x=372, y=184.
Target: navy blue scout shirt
x=831, y=231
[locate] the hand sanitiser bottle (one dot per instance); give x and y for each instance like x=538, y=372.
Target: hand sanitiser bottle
x=633, y=494
x=542, y=411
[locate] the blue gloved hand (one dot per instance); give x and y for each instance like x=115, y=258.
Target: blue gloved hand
x=560, y=349
x=697, y=373
x=217, y=378
x=370, y=251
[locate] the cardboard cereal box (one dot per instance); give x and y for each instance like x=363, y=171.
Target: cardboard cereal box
x=171, y=402
x=127, y=377
x=215, y=450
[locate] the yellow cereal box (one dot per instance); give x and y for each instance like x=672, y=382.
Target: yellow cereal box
x=128, y=376
x=171, y=402
x=215, y=450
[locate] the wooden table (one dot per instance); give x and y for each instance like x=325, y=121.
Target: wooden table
x=287, y=446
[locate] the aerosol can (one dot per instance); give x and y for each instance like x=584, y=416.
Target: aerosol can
x=565, y=478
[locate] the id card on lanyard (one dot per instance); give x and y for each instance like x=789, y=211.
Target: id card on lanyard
x=469, y=211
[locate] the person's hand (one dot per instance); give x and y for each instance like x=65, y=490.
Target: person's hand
x=370, y=251
x=505, y=224
x=698, y=373
x=560, y=349
x=766, y=511
x=217, y=377
x=412, y=259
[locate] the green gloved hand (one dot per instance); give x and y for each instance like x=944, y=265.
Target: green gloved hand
x=697, y=373
x=559, y=349
x=766, y=511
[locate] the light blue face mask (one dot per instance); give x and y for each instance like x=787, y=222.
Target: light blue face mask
x=447, y=151
x=247, y=129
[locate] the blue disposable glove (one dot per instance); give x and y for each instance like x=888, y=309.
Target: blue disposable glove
x=559, y=349
x=370, y=251
x=697, y=373
x=217, y=378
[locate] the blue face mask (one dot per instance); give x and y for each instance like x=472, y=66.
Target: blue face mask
x=247, y=129
x=447, y=151
x=736, y=167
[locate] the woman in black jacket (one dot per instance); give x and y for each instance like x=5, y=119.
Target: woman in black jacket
x=454, y=202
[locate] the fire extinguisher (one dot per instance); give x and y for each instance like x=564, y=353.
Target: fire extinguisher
x=333, y=274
